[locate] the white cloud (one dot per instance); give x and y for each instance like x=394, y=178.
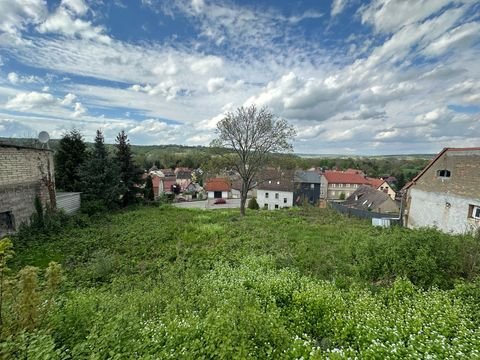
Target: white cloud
x=337, y=7
x=215, y=84
x=460, y=37
x=14, y=79
x=76, y=6
x=28, y=101
x=16, y=15
x=64, y=21
x=47, y=104
x=68, y=99
x=207, y=64
x=392, y=15
x=79, y=110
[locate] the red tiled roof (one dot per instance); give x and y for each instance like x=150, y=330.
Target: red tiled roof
x=340, y=177
x=355, y=171
x=376, y=183
x=218, y=184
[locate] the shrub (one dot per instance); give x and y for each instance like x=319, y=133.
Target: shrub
x=92, y=207
x=253, y=204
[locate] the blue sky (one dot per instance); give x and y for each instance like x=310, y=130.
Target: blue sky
x=353, y=77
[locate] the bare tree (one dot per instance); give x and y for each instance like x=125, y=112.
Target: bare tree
x=253, y=134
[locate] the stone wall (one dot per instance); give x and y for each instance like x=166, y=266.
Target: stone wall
x=21, y=172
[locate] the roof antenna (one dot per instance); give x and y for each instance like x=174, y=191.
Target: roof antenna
x=43, y=137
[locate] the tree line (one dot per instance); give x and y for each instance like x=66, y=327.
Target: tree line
x=108, y=179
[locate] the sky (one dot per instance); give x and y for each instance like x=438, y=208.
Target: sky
x=353, y=77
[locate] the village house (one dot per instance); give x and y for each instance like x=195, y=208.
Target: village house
x=275, y=190
x=338, y=185
x=218, y=188
x=183, y=177
x=445, y=194
x=307, y=187
x=25, y=173
x=370, y=199
x=381, y=185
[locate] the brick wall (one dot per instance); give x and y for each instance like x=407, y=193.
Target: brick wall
x=21, y=172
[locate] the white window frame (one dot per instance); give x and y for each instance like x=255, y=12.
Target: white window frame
x=474, y=210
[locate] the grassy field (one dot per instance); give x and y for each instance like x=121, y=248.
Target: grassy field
x=172, y=283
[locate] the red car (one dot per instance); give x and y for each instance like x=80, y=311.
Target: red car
x=219, y=201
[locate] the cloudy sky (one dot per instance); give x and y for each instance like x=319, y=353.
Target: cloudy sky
x=356, y=77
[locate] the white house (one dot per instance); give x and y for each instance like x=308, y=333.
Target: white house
x=275, y=190
x=446, y=194
x=218, y=188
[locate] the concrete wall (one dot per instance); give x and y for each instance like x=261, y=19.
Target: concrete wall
x=446, y=211
x=21, y=172
x=272, y=200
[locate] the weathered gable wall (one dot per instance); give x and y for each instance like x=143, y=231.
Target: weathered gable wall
x=21, y=172
x=465, y=172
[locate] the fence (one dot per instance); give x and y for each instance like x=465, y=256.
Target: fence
x=68, y=201
x=364, y=214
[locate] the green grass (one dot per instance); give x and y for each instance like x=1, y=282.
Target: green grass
x=176, y=283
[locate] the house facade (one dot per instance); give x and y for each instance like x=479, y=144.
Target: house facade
x=381, y=185
x=275, y=190
x=339, y=185
x=183, y=178
x=25, y=173
x=307, y=187
x=446, y=194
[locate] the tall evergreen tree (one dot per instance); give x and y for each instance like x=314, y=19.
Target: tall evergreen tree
x=100, y=175
x=130, y=173
x=68, y=159
x=148, y=192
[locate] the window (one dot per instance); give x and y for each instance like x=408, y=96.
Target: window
x=443, y=173
x=276, y=196
x=265, y=206
x=284, y=200
x=276, y=206
x=7, y=222
x=266, y=195
x=474, y=212
x=312, y=186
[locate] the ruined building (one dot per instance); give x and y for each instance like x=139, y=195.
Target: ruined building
x=25, y=173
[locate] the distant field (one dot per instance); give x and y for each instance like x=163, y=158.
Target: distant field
x=188, y=284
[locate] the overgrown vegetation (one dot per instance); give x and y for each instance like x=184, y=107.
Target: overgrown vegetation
x=186, y=284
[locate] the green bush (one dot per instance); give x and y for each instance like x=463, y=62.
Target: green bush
x=253, y=204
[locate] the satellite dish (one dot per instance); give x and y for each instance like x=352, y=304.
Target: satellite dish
x=43, y=137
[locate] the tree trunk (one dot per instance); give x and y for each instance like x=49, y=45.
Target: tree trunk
x=243, y=198
x=243, y=201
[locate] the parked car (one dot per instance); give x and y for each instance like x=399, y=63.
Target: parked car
x=219, y=201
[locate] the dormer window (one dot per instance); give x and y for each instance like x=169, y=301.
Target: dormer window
x=444, y=173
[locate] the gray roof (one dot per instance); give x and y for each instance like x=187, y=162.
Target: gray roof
x=309, y=177
x=366, y=197
x=276, y=180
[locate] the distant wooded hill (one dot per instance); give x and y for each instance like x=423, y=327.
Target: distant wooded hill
x=170, y=156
